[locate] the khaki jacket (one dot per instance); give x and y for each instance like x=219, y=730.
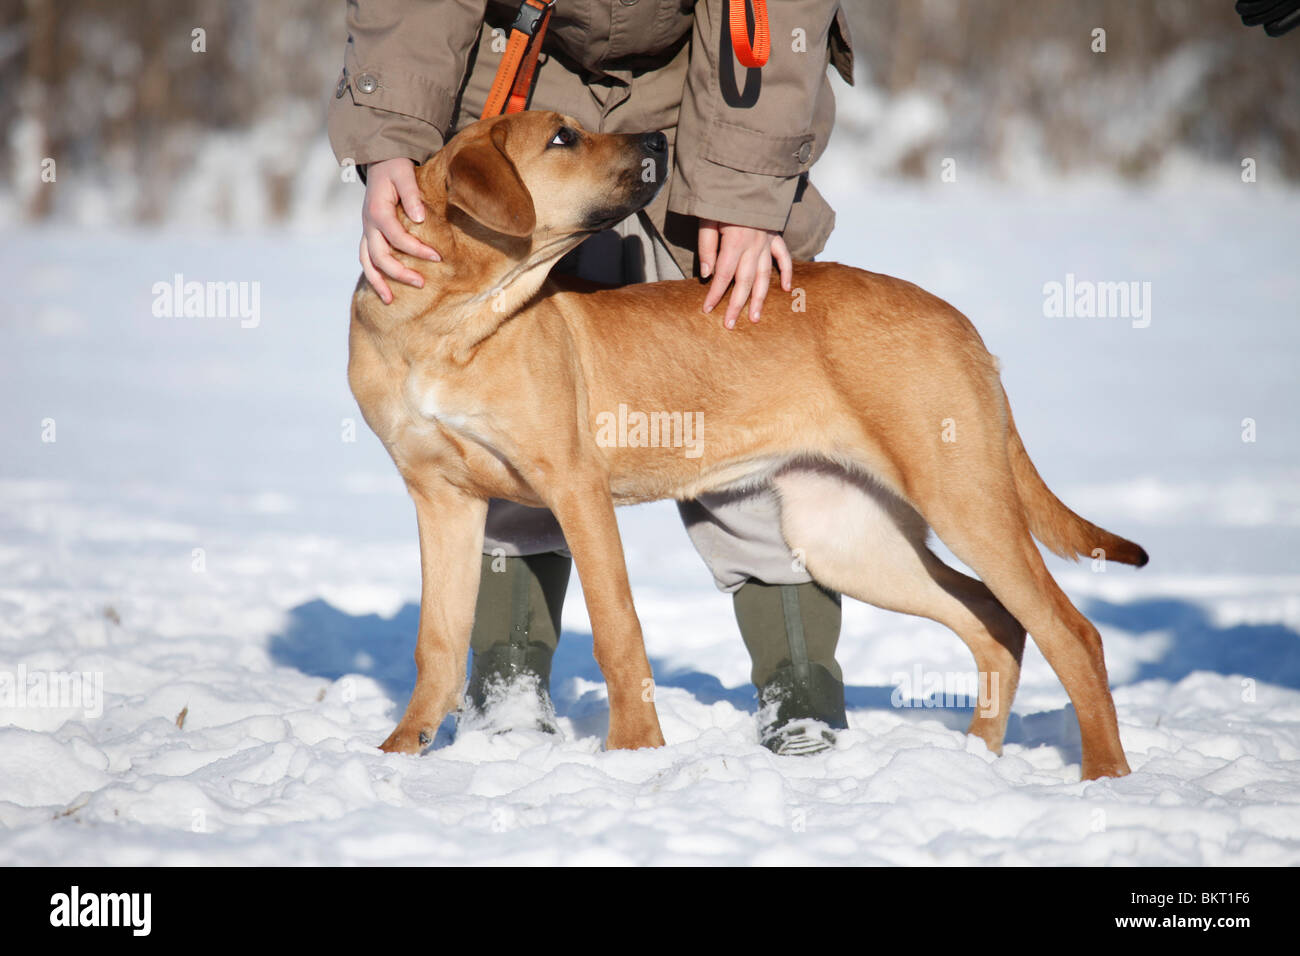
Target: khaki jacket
x=415, y=71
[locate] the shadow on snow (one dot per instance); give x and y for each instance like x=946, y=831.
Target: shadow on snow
x=325, y=642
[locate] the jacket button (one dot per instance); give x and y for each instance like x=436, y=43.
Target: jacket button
x=341, y=88
x=367, y=83
x=805, y=152
x=628, y=3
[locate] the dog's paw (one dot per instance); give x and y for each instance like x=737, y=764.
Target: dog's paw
x=634, y=740
x=1095, y=770
x=989, y=730
x=404, y=740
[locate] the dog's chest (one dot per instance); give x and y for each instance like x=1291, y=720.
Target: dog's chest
x=448, y=404
x=436, y=400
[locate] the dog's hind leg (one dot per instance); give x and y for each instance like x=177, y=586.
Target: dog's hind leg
x=859, y=538
x=977, y=513
x=451, y=540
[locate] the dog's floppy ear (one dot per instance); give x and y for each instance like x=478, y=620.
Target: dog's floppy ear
x=482, y=182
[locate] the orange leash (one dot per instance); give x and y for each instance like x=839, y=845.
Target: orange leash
x=755, y=54
x=514, y=79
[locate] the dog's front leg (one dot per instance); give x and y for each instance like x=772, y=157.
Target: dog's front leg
x=586, y=514
x=451, y=540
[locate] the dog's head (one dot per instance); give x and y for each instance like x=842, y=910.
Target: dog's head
x=540, y=174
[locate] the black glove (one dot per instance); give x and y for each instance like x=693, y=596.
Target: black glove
x=1278, y=16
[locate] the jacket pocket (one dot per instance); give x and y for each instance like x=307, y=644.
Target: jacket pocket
x=395, y=91
x=751, y=151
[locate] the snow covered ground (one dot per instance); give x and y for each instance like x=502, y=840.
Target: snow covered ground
x=201, y=537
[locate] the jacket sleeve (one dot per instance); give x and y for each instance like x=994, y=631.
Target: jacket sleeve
x=740, y=159
x=402, y=69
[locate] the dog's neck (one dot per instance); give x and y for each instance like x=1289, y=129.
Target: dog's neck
x=483, y=280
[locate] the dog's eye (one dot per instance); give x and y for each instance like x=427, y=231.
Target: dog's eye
x=564, y=137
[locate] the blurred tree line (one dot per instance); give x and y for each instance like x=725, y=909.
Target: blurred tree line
x=131, y=102
x=1007, y=74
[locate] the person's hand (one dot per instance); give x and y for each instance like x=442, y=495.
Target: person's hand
x=388, y=183
x=745, y=254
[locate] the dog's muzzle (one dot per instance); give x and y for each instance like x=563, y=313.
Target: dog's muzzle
x=637, y=184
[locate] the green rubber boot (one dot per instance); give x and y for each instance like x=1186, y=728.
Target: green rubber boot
x=791, y=631
x=516, y=630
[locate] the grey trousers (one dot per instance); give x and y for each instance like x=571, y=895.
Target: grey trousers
x=738, y=534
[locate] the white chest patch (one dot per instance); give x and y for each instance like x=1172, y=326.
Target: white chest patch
x=433, y=405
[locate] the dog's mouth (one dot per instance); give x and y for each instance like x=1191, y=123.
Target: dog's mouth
x=638, y=195
x=636, y=186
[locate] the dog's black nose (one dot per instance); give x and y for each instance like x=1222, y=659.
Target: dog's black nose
x=655, y=142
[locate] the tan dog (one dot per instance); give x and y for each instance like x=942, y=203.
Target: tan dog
x=874, y=412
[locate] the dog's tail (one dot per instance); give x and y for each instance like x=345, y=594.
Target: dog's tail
x=1051, y=522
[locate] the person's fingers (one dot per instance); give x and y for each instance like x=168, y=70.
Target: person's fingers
x=372, y=275
x=384, y=260
x=728, y=258
x=745, y=274
x=762, y=279
x=782, y=253
x=707, y=243
x=409, y=192
x=402, y=240
x=383, y=216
